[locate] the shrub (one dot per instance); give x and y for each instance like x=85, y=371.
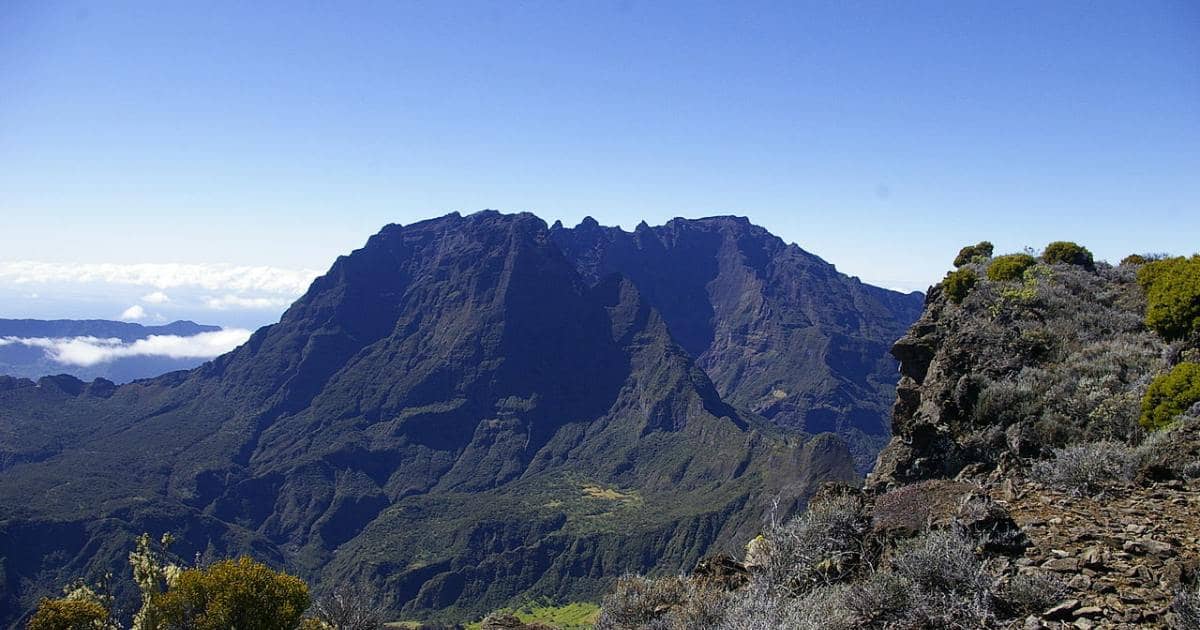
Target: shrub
x=759, y=607
x=154, y=570
x=1067, y=253
x=1084, y=469
x=1004, y=403
x=1134, y=259
x=881, y=598
x=240, y=593
x=910, y=509
x=972, y=253
x=1186, y=608
x=1172, y=289
x=942, y=562
x=349, y=608
x=1009, y=267
x=820, y=546
x=958, y=284
x=69, y=614
x=1029, y=593
x=1171, y=453
x=1191, y=470
x=950, y=587
x=1170, y=395
x=640, y=602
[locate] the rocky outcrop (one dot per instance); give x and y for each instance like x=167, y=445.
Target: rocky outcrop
x=989, y=389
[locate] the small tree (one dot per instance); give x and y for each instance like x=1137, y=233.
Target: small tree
x=1010, y=267
x=972, y=253
x=958, y=284
x=82, y=607
x=68, y=613
x=1172, y=289
x=1170, y=395
x=241, y=594
x=153, y=571
x=1068, y=253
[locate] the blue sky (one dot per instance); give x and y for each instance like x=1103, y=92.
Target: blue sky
x=881, y=136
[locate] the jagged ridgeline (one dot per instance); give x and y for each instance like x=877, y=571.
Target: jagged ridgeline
x=458, y=418
x=778, y=330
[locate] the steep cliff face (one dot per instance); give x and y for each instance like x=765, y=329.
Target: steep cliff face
x=779, y=330
x=1020, y=367
x=451, y=414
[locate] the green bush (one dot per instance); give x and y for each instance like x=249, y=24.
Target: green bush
x=240, y=593
x=958, y=284
x=1172, y=289
x=1067, y=253
x=1010, y=267
x=1170, y=395
x=1134, y=259
x=970, y=253
x=69, y=614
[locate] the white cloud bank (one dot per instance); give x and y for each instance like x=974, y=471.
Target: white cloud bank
x=87, y=351
x=158, y=297
x=210, y=277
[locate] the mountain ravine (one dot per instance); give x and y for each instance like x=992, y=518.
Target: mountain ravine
x=458, y=417
x=778, y=330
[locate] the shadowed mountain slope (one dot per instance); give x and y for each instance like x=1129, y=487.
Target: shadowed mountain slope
x=451, y=414
x=779, y=330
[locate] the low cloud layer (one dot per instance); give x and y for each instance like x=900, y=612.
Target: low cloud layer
x=229, y=301
x=88, y=351
x=210, y=277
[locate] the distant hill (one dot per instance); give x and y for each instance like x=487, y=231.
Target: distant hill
x=454, y=415
x=102, y=328
x=33, y=361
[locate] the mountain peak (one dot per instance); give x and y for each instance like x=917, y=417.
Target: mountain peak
x=460, y=379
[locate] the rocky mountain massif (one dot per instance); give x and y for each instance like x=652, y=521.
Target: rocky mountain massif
x=454, y=417
x=778, y=330
x=1045, y=470
x=25, y=348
